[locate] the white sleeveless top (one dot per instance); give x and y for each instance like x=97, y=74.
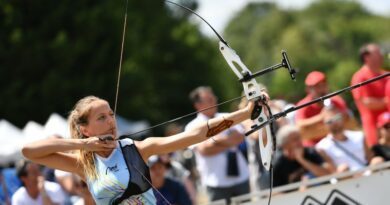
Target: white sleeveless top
x=113, y=178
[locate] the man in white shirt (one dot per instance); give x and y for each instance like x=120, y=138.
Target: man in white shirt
x=221, y=165
x=35, y=190
x=346, y=148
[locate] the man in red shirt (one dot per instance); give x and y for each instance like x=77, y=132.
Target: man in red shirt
x=387, y=93
x=371, y=98
x=310, y=118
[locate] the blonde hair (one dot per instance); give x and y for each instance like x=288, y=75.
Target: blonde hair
x=79, y=116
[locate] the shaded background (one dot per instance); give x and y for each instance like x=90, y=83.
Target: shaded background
x=54, y=53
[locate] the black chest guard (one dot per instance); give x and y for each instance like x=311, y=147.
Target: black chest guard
x=139, y=175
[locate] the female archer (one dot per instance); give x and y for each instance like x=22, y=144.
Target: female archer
x=115, y=170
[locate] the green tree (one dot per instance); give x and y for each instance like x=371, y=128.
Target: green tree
x=325, y=36
x=53, y=53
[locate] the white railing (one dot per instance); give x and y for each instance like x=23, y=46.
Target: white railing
x=370, y=185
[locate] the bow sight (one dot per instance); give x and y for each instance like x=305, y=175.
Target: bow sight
x=284, y=64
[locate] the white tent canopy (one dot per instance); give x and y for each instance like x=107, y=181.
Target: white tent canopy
x=56, y=125
x=33, y=130
x=10, y=138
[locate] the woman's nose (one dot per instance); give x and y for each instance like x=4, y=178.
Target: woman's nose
x=111, y=120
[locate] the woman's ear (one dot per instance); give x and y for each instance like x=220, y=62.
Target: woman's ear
x=84, y=131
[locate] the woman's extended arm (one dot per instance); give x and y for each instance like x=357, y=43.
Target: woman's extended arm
x=160, y=145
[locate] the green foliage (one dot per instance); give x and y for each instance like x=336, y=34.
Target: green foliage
x=325, y=36
x=52, y=53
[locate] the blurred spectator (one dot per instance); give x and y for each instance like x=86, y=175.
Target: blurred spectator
x=387, y=94
x=382, y=149
x=67, y=183
x=185, y=156
x=170, y=189
x=4, y=195
x=370, y=99
x=346, y=148
x=81, y=189
x=221, y=165
x=279, y=105
x=35, y=190
x=176, y=171
x=293, y=162
x=48, y=174
x=309, y=119
x=175, y=161
x=9, y=183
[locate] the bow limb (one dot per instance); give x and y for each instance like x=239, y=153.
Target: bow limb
x=251, y=87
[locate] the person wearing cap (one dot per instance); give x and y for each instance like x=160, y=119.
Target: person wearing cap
x=168, y=189
x=370, y=99
x=382, y=149
x=309, y=119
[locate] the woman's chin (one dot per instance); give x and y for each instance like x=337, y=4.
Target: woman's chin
x=105, y=153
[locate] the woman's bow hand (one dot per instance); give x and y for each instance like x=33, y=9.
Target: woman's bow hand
x=99, y=143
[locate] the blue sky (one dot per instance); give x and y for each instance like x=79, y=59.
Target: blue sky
x=219, y=12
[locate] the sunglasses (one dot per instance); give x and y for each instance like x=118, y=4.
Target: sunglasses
x=336, y=118
x=386, y=126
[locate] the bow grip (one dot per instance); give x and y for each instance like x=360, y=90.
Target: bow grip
x=256, y=110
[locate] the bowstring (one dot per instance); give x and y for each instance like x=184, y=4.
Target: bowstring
x=121, y=58
x=117, y=94
x=181, y=117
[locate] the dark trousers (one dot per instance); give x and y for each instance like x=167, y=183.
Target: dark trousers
x=216, y=193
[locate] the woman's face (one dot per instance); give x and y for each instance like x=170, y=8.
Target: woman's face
x=101, y=120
